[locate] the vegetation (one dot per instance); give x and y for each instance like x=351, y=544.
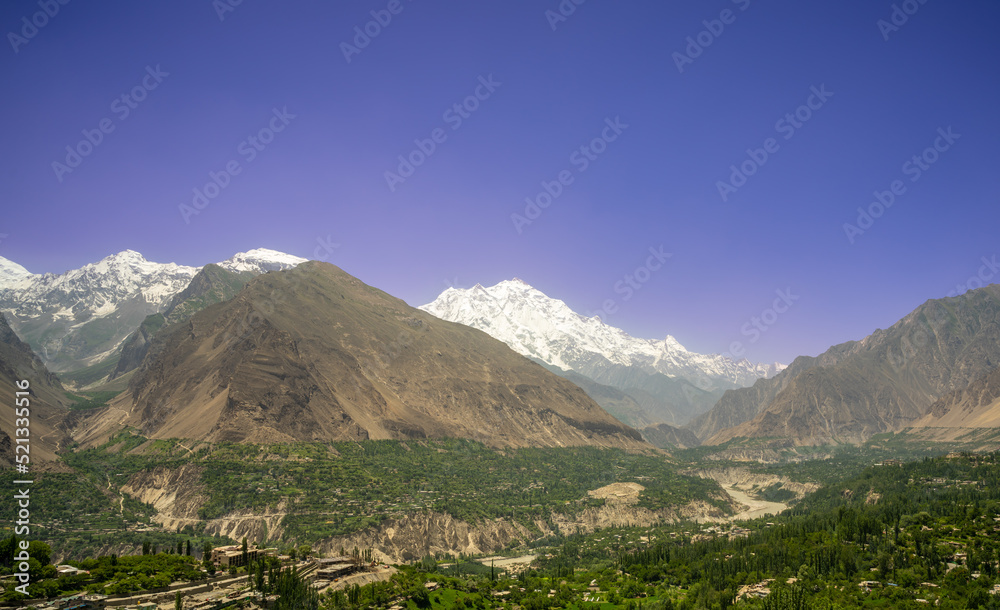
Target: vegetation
x=340, y=488
x=90, y=400
x=911, y=536
x=893, y=535
x=91, y=374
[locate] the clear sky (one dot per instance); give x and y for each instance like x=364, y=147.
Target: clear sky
x=200, y=80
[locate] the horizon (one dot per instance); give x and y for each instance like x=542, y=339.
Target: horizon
x=688, y=164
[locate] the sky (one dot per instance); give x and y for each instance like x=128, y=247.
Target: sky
x=683, y=168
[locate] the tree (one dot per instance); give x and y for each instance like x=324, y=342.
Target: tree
x=178, y=602
x=420, y=596
x=206, y=558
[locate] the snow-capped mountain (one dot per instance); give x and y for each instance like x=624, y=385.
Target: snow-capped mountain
x=547, y=330
x=76, y=318
x=12, y=272
x=261, y=260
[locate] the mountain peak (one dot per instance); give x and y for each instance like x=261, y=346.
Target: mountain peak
x=123, y=287
x=546, y=329
x=11, y=272
x=126, y=254
x=261, y=260
x=327, y=356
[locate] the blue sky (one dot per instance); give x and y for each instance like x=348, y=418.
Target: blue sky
x=198, y=86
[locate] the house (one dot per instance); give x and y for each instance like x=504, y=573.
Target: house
x=68, y=570
x=232, y=555
x=332, y=571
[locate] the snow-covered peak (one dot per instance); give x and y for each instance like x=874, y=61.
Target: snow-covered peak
x=261, y=260
x=128, y=264
x=12, y=273
x=74, y=319
x=545, y=328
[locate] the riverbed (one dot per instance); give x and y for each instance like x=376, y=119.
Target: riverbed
x=755, y=506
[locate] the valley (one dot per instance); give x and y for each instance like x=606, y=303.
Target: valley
x=290, y=405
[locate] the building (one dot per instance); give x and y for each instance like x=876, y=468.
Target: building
x=232, y=555
x=331, y=571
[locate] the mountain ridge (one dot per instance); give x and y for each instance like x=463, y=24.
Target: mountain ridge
x=882, y=383
x=315, y=354
x=79, y=317
x=673, y=382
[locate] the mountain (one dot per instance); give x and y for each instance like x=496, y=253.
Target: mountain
x=674, y=383
x=47, y=400
x=975, y=406
x=741, y=405
x=213, y=284
x=623, y=407
x=885, y=382
x=79, y=318
x=315, y=354
x=666, y=436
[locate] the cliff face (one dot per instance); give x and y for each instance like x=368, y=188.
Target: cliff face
x=47, y=400
x=884, y=382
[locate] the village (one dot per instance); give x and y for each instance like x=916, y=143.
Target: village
x=225, y=590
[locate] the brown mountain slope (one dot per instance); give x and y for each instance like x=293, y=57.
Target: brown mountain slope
x=666, y=436
x=741, y=405
x=47, y=400
x=977, y=406
x=887, y=380
x=315, y=354
x=211, y=285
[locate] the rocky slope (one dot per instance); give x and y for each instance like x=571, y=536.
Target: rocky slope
x=975, y=406
x=621, y=405
x=666, y=436
x=884, y=382
x=212, y=284
x=47, y=401
x=315, y=354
